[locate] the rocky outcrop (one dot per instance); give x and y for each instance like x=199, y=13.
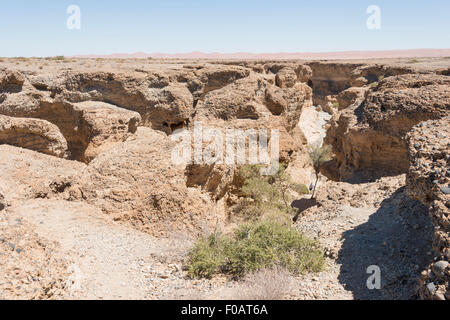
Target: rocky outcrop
x=28, y=174
x=88, y=127
x=165, y=99
x=286, y=78
x=159, y=100
x=428, y=180
x=100, y=126
x=304, y=73
x=239, y=100
x=136, y=182
x=34, y=134
x=95, y=110
x=400, y=102
x=331, y=78
x=369, y=138
x=251, y=103
x=351, y=96
x=11, y=81
x=209, y=78
x=367, y=74
x=255, y=98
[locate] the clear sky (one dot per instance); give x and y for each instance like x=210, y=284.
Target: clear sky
x=38, y=27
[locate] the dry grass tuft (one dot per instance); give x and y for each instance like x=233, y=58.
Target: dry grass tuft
x=266, y=284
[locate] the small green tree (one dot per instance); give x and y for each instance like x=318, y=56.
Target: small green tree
x=319, y=155
x=270, y=195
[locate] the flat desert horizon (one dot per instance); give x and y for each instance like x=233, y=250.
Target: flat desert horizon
x=337, y=55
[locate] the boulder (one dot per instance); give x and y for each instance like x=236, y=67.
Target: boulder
x=11, y=80
x=286, y=78
x=34, y=134
x=304, y=73
x=101, y=125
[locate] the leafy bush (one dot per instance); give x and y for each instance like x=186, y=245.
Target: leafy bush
x=253, y=247
x=267, y=195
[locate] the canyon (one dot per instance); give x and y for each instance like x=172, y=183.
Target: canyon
x=92, y=207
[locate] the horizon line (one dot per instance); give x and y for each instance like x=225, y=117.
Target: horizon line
x=347, y=54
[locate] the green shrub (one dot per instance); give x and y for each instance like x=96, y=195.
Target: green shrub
x=267, y=195
x=253, y=247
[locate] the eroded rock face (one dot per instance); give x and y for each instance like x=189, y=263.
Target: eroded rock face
x=88, y=127
x=428, y=180
x=351, y=96
x=155, y=96
x=34, y=134
x=216, y=77
x=369, y=137
x=101, y=125
x=239, y=100
x=400, y=102
x=95, y=110
x=28, y=174
x=251, y=103
x=254, y=98
x=137, y=182
x=11, y=80
x=331, y=78
x=286, y=78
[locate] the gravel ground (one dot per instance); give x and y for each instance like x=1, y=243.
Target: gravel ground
x=112, y=261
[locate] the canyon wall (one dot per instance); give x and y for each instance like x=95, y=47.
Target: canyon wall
x=428, y=180
x=368, y=137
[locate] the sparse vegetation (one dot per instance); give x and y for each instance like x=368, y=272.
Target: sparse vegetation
x=319, y=155
x=336, y=105
x=253, y=247
x=266, y=284
x=56, y=58
x=267, y=196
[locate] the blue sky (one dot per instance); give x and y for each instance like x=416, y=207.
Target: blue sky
x=38, y=28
